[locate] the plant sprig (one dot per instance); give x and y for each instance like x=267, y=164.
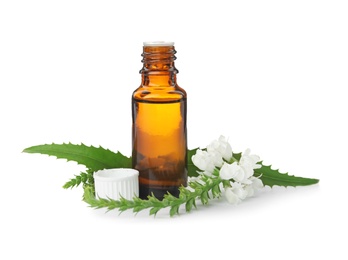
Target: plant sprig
x=97, y=158
x=84, y=178
x=202, y=191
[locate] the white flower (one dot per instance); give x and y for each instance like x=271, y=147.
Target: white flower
x=248, y=163
x=207, y=161
x=216, y=158
x=222, y=147
x=232, y=171
x=250, y=160
x=231, y=196
x=250, y=191
x=247, y=169
x=238, y=174
x=239, y=190
x=236, y=193
x=255, y=185
x=203, y=161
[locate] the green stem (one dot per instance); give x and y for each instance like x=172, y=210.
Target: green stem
x=186, y=197
x=84, y=178
x=233, y=160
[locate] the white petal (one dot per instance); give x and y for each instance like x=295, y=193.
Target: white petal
x=238, y=172
x=227, y=153
x=246, y=152
x=239, y=190
x=255, y=158
x=213, y=146
x=203, y=161
x=231, y=196
x=226, y=172
x=217, y=158
x=257, y=183
x=249, y=190
x=222, y=138
x=222, y=147
x=248, y=171
x=247, y=181
x=198, y=160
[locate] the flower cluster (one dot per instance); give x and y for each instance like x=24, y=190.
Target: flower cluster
x=217, y=161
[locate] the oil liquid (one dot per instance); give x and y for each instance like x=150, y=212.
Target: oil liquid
x=159, y=146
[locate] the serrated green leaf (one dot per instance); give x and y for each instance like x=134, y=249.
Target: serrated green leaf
x=194, y=204
x=188, y=199
x=174, y=210
x=271, y=177
x=189, y=205
x=75, y=182
x=94, y=158
x=192, y=169
x=204, y=197
x=137, y=208
x=216, y=191
x=72, y=183
x=154, y=211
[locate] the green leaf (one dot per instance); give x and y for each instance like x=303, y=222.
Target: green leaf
x=186, y=197
x=192, y=169
x=154, y=211
x=216, y=191
x=189, y=205
x=237, y=156
x=73, y=182
x=94, y=158
x=174, y=210
x=84, y=177
x=204, y=197
x=271, y=177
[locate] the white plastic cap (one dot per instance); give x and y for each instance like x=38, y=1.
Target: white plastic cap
x=114, y=183
x=159, y=43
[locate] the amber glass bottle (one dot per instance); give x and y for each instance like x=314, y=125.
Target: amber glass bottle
x=159, y=124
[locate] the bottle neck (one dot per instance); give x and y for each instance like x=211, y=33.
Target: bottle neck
x=158, y=69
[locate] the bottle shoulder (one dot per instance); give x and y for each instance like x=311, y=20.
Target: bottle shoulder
x=160, y=94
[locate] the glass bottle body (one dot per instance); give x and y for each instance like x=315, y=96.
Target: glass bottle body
x=159, y=126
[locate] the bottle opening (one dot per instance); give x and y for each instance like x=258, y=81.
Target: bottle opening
x=159, y=43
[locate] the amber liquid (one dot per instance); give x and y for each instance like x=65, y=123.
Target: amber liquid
x=159, y=145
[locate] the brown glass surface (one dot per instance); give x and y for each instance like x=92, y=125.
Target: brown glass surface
x=159, y=125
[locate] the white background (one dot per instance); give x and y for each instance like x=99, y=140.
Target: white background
x=270, y=75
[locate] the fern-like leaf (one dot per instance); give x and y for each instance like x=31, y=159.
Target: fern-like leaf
x=84, y=177
x=76, y=181
x=271, y=177
x=154, y=205
x=94, y=158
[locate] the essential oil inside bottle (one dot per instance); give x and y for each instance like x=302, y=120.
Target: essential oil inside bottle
x=159, y=125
